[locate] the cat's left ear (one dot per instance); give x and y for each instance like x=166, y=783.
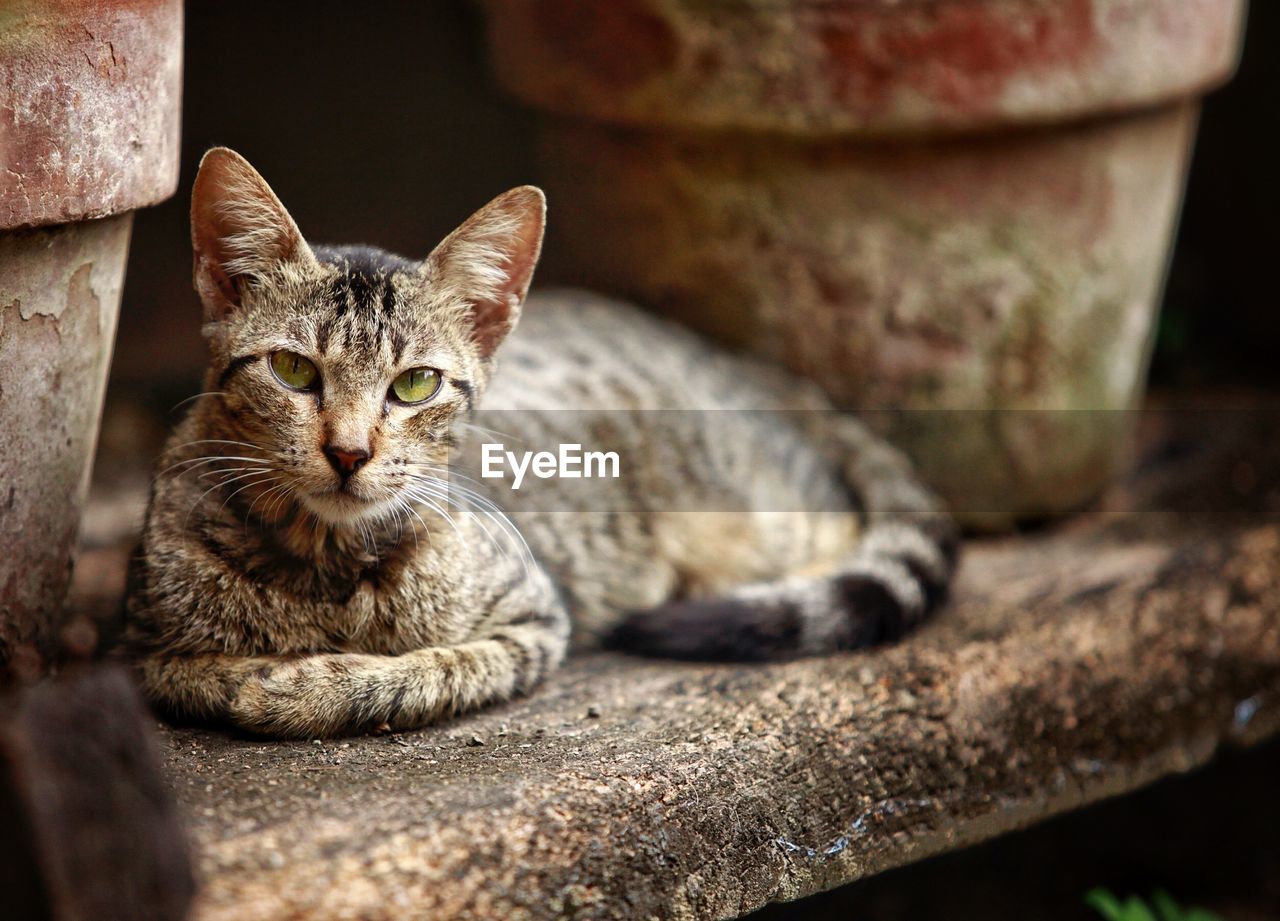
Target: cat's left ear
x=488, y=262
x=240, y=232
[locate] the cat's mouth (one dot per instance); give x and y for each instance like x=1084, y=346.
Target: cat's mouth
x=341, y=505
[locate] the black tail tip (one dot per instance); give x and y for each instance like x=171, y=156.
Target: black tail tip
x=712, y=630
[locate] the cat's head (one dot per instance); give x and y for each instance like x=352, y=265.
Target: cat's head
x=345, y=366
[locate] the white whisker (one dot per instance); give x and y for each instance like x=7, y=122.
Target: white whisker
x=439, y=489
x=289, y=491
x=200, y=498
x=428, y=501
x=400, y=507
x=489, y=506
x=212, y=473
x=222, y=441
x=194, y=462
x=249, y=514
x=491, y=433
x=259, y=482
x=207, y=393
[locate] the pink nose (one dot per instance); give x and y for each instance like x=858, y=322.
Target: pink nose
x=345, y=460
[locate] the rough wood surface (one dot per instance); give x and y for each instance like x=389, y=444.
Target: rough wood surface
x=1074, y=664
x=87, y=829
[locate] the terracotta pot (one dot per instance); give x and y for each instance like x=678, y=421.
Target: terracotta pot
x=955, y=211
x=89, y=106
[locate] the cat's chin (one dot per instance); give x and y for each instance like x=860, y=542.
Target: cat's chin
x=340, y=509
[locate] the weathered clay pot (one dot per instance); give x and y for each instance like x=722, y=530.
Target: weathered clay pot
x=956, y=211
x=89, y=106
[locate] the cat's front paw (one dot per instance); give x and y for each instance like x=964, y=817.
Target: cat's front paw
x=280, y=700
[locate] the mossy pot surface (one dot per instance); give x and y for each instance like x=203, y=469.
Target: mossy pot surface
x=954, y=214
x=992, y=303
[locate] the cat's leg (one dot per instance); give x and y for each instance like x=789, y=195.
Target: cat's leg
x=339, y=693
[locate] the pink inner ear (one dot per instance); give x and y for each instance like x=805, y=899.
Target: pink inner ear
x=495, y=317
x=212, y=279
x=493, y=321
x=490, y=260
x=216, y=288
x=226, y=287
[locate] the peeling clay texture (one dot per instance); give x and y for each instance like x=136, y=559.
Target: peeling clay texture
x=59, y=297
x=89, y=107
x=1073, y=666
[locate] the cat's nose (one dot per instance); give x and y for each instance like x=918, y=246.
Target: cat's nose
x=346, y=460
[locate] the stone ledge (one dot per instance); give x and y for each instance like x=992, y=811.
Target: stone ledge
x=1073, y=666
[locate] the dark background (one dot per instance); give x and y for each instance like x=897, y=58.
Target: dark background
x=1220, y=319
x=379, y=123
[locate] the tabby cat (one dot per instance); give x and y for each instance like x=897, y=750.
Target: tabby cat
x=311, y=565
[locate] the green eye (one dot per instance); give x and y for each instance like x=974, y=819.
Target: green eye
x=294, y=371
x=416, y=385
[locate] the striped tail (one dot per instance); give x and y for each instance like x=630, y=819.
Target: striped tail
x=899, y=573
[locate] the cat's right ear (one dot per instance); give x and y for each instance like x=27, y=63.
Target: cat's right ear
x=239, y=231
x=488, y=262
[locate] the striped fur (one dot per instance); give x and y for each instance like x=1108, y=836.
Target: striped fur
x=272, y=594
x=758, y=580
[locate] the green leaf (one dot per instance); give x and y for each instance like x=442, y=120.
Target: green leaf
x=1135, y=909
x=1166, y=907
x=1111, y=908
